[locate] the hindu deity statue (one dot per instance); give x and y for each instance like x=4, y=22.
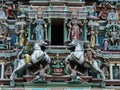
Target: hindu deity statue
x=3, y=31
x=89, y=54
x=75, y=29
x=22, y=36
x=103, y=13
x=40, y=28
x=92, y=38
x=114, y=37
x=112, y=15
x=10, y=9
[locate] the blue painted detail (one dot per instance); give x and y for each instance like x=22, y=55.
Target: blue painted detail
x=13, y=39
x=38, y=89
x=100, y=40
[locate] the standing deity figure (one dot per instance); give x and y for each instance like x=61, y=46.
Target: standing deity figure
x=22, y=37
x=40, y=29
x=21, y=34
x=92, y=38
x=3, y=31
x=114, y=37
x=90, y=54
x=75, y=30
x=10, y=9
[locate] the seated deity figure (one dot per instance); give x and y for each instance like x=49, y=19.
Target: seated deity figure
x=10, y=9
x=40, y=28
x=114, y=37
x=75, y=30
x=112, y=15
x=89, y=54
x=8, y=71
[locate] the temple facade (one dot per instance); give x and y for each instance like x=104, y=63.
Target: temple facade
x=66, y=44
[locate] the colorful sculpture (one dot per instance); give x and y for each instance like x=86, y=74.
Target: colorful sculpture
x=103, y=13
x=37, y=56
x=78, y=56
x=75, y=29
x=39, y=29
x=10, y=9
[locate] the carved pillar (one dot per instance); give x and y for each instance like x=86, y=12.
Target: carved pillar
x=16, y=34
x=96, y=38
x=2, y=70
x=85, y=31
x=29, y=31
x=111, y=74
x=49, y=29
x=46, y=32
x=65, y=30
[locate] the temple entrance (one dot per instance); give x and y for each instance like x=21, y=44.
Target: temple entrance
x=57, y=31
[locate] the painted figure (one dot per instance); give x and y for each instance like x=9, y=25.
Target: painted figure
x=103, y=13
x=74, y=73
x=10, y=9
x=106, y=44
x=33, y=33
x=74, y=26
x=8, y=71
x=3, y=32
x=113, y=38
x=92, y=38
x=40, y=29
x=105, y=71
x=112, y=15
x=2, y=14
x=90, y=54
x=41, y=72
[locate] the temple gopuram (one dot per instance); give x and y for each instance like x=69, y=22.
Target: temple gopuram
x=59, y=44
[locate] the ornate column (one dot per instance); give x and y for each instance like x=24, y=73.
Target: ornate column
x=85, y=30
x=2, y=70
x=29, y=30
x=111, y=74
x=49, y=29
x=65, y=30
x=96, y=25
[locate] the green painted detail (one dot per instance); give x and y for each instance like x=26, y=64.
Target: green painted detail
x=29, y=32
x=57, y=84
x=49, y=31
x=57, y=51
x=38, y=89
x=65, y=31
x=85, y=33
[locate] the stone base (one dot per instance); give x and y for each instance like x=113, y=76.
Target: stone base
x=86, y=78
x=28, y=78
x=57, y=84
x=63, y=78
x=113, y=82
x=113, y=48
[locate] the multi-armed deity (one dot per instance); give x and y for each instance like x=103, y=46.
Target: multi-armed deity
x=38, y=58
